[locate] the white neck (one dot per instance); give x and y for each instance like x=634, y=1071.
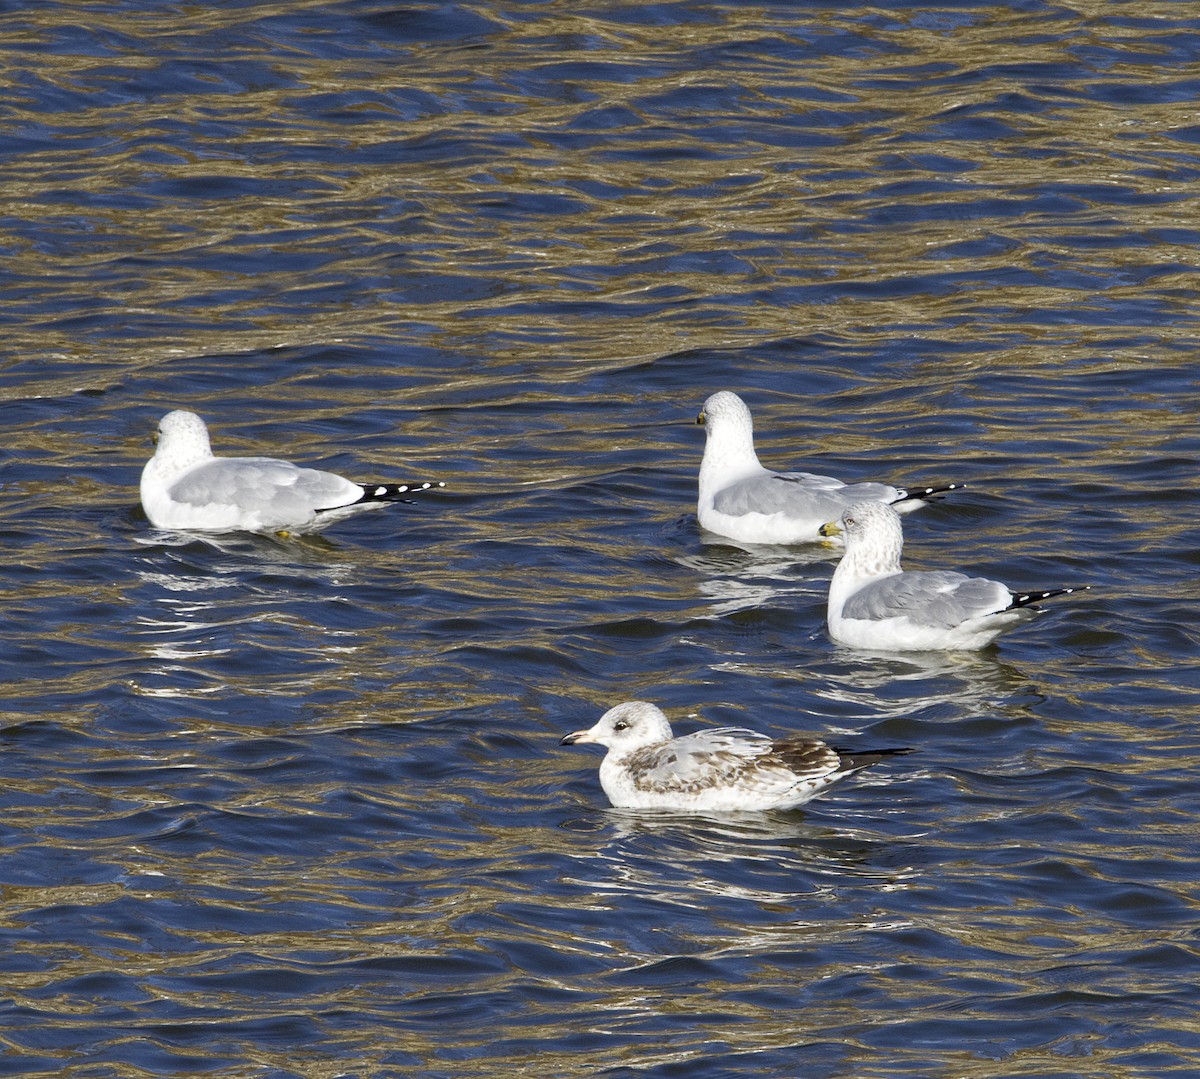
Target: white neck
x=728, y=458
x=863, y=562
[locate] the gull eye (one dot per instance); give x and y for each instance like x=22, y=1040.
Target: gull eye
x=620, y=725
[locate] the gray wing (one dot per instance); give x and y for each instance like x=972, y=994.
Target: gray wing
x=264, y=483
x=935, y=598
x=798, y=494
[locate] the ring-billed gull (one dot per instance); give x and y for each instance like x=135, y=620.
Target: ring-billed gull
x=725, y=769
x=746, y=502
x=185, y=487
x=875, y=604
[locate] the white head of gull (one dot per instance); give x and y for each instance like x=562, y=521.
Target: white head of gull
x=725, y=769
x=874, y=604
x=185, y=487
x=744, y=501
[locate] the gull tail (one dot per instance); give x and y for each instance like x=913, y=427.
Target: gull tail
x=925, y=494
x=1028, y=599
x=395, y=492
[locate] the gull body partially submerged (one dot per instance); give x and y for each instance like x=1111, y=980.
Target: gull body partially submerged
x=744, y=501
x=725, y=769
x=185, y=487
x=875, y=604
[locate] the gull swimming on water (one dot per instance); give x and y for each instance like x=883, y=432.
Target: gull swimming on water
x=874, y=604
x=725, y=769
x=185, y=487
x=746, y=502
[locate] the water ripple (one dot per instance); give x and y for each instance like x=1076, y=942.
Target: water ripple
x=298, y=807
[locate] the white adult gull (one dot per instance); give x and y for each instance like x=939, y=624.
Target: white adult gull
x=875, y=604
x=185, y=487
x=741, y=499
x=725, y=769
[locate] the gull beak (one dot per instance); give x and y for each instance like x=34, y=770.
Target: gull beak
x=700, y=418
x=571, y=739
x=830, y=528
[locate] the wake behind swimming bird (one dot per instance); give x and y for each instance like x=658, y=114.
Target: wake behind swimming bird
x=741, y=499
x=725, y=769
x=185, y=487
x=877, y=605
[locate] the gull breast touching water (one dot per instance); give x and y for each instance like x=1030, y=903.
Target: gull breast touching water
x=185, y=487
x=875, y=604
x=744, y=501
x=726, y=769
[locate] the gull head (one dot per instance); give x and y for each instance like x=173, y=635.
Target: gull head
x=725, y=410
x=729, y=443
x=182, y=439
x=626, y=727
x=873, y=535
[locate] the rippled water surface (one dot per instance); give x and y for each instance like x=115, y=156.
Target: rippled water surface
x=298, y=808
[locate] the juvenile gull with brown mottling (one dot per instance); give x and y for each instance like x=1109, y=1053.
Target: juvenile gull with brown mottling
x=723, y=769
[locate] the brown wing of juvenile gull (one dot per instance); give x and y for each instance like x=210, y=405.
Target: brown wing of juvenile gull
x=730, y=768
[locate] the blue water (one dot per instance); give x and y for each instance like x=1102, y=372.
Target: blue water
x=298, y=808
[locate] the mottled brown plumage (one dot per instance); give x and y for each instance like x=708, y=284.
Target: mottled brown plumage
x=717, y=770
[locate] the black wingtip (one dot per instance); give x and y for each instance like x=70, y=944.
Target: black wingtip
x=1028, y=599
x=926, y=494
x=397, y=492
x=854, y=759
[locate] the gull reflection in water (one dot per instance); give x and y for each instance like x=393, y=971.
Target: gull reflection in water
x=216, y=609
x=889, y=684
x=266, y=549
x=768, y=857
x=737, y=577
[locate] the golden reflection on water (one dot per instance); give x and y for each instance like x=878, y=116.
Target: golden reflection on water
x=765, y=195
x=757, y=185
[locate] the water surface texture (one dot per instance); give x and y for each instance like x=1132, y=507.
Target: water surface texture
x=297, y=807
